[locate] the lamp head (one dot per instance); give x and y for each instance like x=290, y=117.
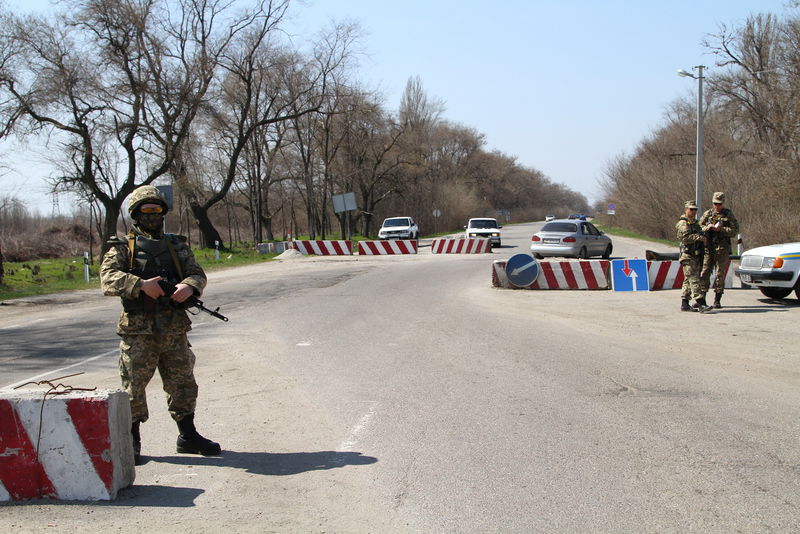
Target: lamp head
x=682, y=72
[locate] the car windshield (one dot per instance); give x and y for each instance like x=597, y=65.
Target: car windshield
x=483, y=223
x=564, y=227
x=399, y=221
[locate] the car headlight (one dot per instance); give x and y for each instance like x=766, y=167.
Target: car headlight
x=496, y=234
x=767, y=263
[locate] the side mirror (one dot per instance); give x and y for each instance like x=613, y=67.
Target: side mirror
x=465, y=228
x=499, y=227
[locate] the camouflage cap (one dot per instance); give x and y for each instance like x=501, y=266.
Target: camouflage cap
x=718, y=198
x=690, y=204
x=143, y=195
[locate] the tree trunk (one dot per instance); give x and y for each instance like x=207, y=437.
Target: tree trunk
x=208, y=234
x=109, y=226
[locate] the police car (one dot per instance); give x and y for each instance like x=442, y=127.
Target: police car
x=773, y=269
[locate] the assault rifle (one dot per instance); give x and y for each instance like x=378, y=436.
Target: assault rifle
x=169, y=288
x=192, y=302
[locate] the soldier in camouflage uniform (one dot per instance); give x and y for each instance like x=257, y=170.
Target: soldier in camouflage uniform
x=692, y=241
x=153, y=326
x=720, y=225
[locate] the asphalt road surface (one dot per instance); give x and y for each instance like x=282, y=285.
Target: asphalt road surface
x=405, y=394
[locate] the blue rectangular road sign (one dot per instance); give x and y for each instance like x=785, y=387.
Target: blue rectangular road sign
x=629, y=275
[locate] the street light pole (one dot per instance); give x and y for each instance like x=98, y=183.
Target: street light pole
x=699, y=161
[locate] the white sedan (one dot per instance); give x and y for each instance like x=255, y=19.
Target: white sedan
x=773, y=269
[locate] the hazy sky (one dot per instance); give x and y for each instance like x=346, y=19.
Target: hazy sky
x=563, y=86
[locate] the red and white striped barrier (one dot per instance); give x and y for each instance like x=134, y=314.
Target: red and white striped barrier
x=83, y=450
x=324, y=248
x=669, y=275
x=581, y=274
x=390, y=246
x=461, y=245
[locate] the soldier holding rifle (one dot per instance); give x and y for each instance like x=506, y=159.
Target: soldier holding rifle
x=153, y=325
x=693, y=243
x=720, y=225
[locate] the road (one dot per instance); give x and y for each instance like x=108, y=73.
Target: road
x=405, y=394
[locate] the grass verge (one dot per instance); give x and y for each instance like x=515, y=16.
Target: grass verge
x=42, y=277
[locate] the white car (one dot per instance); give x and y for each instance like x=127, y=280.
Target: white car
x=484, y=227
x=773, y=269
x=398, y=228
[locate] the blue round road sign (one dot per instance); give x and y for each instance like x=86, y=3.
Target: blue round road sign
x=522, y=270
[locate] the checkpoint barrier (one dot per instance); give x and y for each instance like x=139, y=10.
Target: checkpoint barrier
x=669, y=275
x=388, y=247
x=324, y=248
x=580, y=274
x=461, y=245
x=75, y=446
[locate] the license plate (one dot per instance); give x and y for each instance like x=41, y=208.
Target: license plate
x=745, y=278
x=551, y=241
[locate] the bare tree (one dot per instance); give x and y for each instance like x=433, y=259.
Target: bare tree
x=120, y=82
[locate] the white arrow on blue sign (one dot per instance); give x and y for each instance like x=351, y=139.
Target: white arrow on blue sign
x=522, y=270
x=629, y=275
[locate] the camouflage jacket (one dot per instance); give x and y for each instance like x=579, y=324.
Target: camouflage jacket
x=720, y=241
x=117, y=280
x=690, y=236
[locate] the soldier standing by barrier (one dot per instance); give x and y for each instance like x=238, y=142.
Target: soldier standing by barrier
x=693, y=242
x=153, y=326
x=720, y=225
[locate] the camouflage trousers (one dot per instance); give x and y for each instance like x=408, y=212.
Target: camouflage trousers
x=720, y=262
x=141, y=355
x=691, y=278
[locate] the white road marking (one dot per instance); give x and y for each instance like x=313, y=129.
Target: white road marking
x=352, y=438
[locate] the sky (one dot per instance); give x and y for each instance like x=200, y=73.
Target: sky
x=564, y=86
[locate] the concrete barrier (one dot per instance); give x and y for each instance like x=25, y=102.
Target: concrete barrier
x=580, y=274
x=461, y=245
x=669, y=275
x=277, y=247
x=75, y=446
x=388, y=247
x=324, y=248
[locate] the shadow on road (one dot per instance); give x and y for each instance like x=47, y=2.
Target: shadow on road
x=769, y=306
x=273, y=463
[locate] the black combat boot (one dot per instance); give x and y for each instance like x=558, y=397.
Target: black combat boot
x=137, y=443
x=701, y=306
x=717, y=299
x=685, y=305
x=190, y=441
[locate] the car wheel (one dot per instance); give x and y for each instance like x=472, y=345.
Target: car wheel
x=797, y=293
x=582, y=255
x=537, y=256
x=607, y=253
x=775, y=292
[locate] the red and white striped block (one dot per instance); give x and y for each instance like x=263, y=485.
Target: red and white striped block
x=324, y=248
x=391, y=246
x=84, y=445
x=462, y=245
x=581, y=274
x=669, y=275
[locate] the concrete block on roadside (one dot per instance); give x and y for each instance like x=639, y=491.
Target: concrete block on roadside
x=71, y=446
